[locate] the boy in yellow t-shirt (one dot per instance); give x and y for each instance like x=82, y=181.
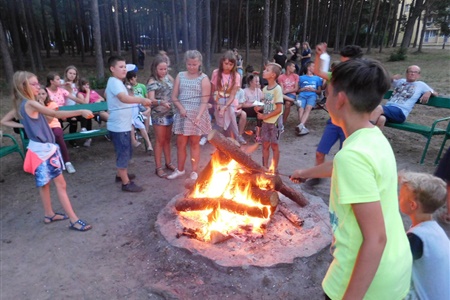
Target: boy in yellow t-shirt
x=273, y=108
x=372, y=259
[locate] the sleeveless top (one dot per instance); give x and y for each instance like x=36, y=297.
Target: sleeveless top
x=36, y=129
x=190, y=96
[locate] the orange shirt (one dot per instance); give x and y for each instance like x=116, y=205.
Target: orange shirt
x=55, y=122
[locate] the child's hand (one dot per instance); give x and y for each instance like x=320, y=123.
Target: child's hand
x=260, y=116
x=87, y=114
x=146, y=102
x=297, y=176
x=183, y=112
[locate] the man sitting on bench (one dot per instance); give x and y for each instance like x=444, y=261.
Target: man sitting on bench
x=406, y=93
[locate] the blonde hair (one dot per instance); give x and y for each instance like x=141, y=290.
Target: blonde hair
x=430, y=191
x=21, y=89
x=194, y=54
x=276, y=68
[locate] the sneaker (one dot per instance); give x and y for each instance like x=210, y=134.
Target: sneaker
x=131, y=187
x=281, y=129
x=299, y=128
x=83, y=129
x=304, y=131
x=241, y=140
x=203, y=141
x=69, y=167
x=193, y=176
x=176, y=174
x=87, y=143
x=74, y=144
x=137, y=144
x=107, y=137
x=131, y=176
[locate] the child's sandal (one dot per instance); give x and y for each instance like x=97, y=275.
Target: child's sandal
x=160, y=172
x=170, y=167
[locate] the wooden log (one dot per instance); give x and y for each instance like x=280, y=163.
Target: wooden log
x=226, y=146
x=265, y=197
x=290, y=215
x=195, y=204
x=271, y=182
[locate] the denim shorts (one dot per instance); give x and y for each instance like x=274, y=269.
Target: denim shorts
x=47, y=170
x=292, y=96
x=393, y=114
x=269, y=133
x=306, y=100
x=122, y=147
x=330, y=135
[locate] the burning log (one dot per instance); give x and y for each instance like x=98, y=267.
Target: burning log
x=265, y=197
x=270, y=182
x=226, y=146
x=194, y=204
x=290, y=215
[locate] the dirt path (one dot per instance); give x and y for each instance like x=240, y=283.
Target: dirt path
x=124, y=256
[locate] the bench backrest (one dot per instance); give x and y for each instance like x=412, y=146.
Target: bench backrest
x=94, y=107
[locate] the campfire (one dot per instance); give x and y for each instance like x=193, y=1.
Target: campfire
x=233, y=197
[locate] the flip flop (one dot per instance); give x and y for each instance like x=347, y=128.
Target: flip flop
x=52, y=219
x=84, y=226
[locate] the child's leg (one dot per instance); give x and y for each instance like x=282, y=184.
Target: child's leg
x=305, y=115
x=276, y=156
x=44, y=191
x=242, y=122
x=146, y=139
x=60, y=184
x=266, y=153
x=59, y=138
x=159, y=144
x=181, y=151
x=134, y=142
x=195, y=151
x=167, y=134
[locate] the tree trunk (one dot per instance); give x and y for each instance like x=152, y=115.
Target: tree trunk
x=358, y=25
x=366, y=39
x=399, y=24
x=14, y=28
x=305, y=21
x=416, y=38
x=29, y=49
x=274, y=25
x=6, y=57
x=286, y=25
x=174, y=33
x=247, y=31
x=393, y=21
x=33, y=40
x=238, y=29
x=215, y=39
x=207, y=47
x=373, y=29
x=415, y=13
x=192, y=24
x=424, y=27
x=200, y=25
x=80, y=35
x=132, y=32
x=58, y=36
x=117, y=28
x=185, y=27
x=338, y=27
x=95, y=19
x=386, y=25
x=266, y=32
x=45, y=30
x=347, y=21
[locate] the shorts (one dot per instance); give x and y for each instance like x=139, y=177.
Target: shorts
x=166, y=120
x=303, y=100
x=292, y=96
x=330, y=135
x=47, y=170
x=269, y=133
x=443, y=169
x=122, y=147
x=393, y=114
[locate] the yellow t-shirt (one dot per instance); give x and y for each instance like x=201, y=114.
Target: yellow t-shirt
x=364, y=170
x=271, y=98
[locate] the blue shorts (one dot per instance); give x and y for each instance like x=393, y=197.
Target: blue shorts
x=330, y=135
x=306, y=100
x=47, y=170
x=269, y=133
x=122, y=147
x=292, y=96
x=393, y=114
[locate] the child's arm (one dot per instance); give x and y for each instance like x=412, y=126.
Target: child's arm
x=84, y=99
x=371, y=222
x=76, y=99
x=32, y=107
x=320, y=48
x=206, y=91
x=175, y=93
x=125, y=98
x=278, y=109
x=321, y=171
x=8, y=120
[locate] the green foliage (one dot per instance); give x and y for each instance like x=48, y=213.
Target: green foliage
x=398, y=55
x=96, y=84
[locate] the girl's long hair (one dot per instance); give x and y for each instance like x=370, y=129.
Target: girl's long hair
x=75, y=81
x=51, y=76
x=21, y=89
x=153, y=68
x=47, y=99
x=229, y=55
x=81, y=84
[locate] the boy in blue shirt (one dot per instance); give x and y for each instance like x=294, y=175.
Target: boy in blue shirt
x=120, y=105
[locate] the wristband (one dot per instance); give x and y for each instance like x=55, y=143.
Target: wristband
x=159, y=102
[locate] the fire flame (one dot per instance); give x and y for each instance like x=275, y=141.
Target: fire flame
x=225, y=184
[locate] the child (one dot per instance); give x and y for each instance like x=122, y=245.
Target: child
x=55, y=125
x=273, y=108
x=372, y=259
x=289, y=84
x=310, y=87
x=253, y=94
x=225, y=82
x=190, y=95
x=420, y=196
x=42, y=158
x=119, y=123
x=443, y=172
x=90, y=96
x=139, y=112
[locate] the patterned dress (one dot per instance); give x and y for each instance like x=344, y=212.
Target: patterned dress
x=162, y=115
x=190, y=96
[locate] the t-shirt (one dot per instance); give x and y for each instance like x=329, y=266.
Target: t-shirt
x=226, y=82
x=280, y=59
x=120, y=113
x=93, y=96
x=252, y=96
x=309, y=81
x=271, y=98
x=406, y=94
x=140, y=90
x=305, y=52
x=54, y=123
x=361, y=175
x=288, y=82
x=59, y=96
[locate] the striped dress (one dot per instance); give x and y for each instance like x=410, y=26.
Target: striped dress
x=190, y=96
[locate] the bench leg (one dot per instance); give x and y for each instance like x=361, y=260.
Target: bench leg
x=441, y=149
x=425, y=149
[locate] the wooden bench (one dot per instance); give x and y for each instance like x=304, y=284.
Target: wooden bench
x=440, y=126
x=8, y=149
x=94, y=107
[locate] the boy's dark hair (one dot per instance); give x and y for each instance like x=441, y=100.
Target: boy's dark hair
x=308, y=64
x=351, y=51
x=364, y=81
x=290, y=63
x=51, y=76
x=113, y=60
x=131, y=74
x=249, y=69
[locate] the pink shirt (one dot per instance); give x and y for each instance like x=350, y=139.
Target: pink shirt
x=288, y=82
x=93, y=96
x=226, y=82
x=59, y=96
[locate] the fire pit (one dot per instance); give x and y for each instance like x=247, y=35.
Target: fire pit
x=238, y=213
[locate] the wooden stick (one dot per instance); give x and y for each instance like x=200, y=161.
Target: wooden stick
x=290, y=215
